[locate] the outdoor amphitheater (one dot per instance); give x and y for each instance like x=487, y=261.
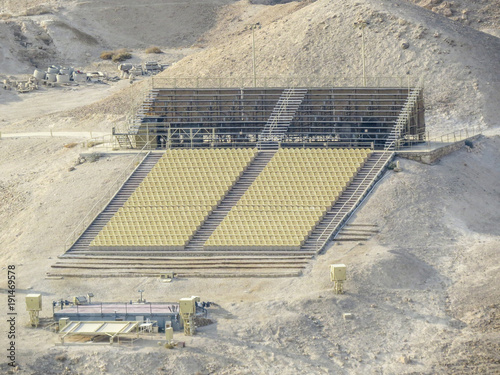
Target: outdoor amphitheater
x=243, y=181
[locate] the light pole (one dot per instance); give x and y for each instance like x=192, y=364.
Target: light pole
x=253, y=27
x=140, y=291
x=361, y=25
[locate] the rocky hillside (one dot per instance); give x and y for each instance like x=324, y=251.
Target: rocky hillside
x=483, y=15
x=460, y=66
x=37, y=33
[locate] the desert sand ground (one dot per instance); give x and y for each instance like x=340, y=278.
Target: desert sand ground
x=424, y=291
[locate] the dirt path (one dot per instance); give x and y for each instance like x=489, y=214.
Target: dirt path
x=17, y=107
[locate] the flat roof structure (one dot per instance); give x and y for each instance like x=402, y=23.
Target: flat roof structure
x=122, y=308
x=111, y=329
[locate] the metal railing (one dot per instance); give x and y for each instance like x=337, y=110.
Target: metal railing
x=450, y=137
x=146, y=92
x=283, y=107
x=457, y=135
x=131, y=116
x=103, y=143
x=388, y=149
x=284, y=81
x=108, y=195
x=404, y=117
x=358, y=200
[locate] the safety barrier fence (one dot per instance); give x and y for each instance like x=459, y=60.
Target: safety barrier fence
x=283, y=81
x=432, y=141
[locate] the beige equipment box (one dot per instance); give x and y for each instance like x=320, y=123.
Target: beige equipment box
x=34, y=302
x=187, y=309
x=338, y=276
x=188, y=305
x=34, y=306
x=337, y=272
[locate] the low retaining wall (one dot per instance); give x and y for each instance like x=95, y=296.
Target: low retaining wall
x=431, y=156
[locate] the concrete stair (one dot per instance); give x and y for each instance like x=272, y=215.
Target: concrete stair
x=230, y=200
x=83, y=242
x=356, y=232
x=222, y=265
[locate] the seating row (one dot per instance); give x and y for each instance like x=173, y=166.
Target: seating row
x=181, y=184
x=324, y=151
x=344, y=160
x=316, y=167
x=169, y=174
x=274, y=210
x=184, y=164
x=175, y=198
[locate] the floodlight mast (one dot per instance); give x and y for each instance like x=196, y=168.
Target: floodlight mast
x=361, y=25
x=253, y=27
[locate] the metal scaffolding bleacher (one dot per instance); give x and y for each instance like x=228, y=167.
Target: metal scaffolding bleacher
x=299, y=117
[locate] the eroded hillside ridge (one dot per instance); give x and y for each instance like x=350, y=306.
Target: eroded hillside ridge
x=36, y=33
x=319, y=40
x=483, y=15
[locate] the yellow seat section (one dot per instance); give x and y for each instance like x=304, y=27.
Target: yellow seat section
x=175, y=198
x=288, y=199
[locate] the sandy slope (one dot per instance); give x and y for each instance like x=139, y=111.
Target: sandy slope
x=50, y=100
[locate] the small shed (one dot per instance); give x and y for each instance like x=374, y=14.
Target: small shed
x=165, y=314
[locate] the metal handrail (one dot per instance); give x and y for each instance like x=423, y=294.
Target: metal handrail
x=405, y=114
x=103, y=142
x=282, y=81
x=106, y=197
x=453, y=136
x=283, y=106
x=132, y=118
x=130, y=115
x=474, y=131
x=386, y=150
